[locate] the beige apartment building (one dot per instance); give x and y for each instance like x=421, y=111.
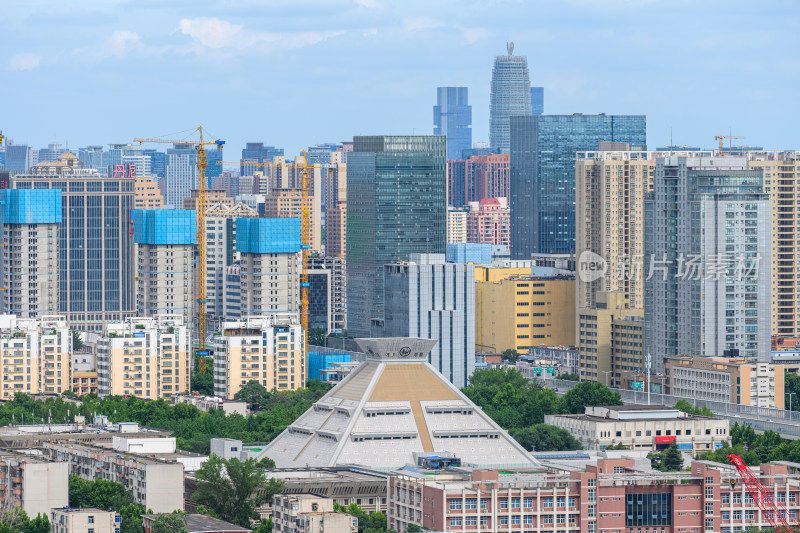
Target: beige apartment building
x=165, y=279
x=35, y=355
x=457, y=224
x=212, y=197
x=519, y=313
x=610, y=339
x=643, y=427
x=782, y=182
x=288, y=203
x=267, y=349
x=87, y=519
x=147, y=195
x=34, y=483
x=738, y=381
x=146, y=357
x=308, y=513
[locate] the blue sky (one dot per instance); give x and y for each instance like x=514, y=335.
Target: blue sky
x=293, y=73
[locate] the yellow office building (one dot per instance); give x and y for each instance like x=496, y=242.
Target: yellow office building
x=146, y=357
x=522, y=312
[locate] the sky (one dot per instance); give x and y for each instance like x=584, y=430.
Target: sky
x=294, y=73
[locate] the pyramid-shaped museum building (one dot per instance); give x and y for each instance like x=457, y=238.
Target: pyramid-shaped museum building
x=390, y=410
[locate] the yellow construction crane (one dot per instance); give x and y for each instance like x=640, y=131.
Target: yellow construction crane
x=202, y=163
x=305, y=231
x=721, y=138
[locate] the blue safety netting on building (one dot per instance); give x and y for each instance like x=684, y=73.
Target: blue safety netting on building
x=268, y=235
x=164, y=226
x=30, y=206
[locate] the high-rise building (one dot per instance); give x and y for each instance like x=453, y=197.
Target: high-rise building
x=181, y=174
x=289, y=203
x=29, y=220
x=542, y=191
x=333, y=282
x=19, y=157
x=707, y=237
x=35, y=355
x=146, y=357
x=537, y=100
x=51, y=153
x=93, y=157
x=510, y=96
x=336, y=206
x=478, y=177
x=428, y=298
x=147, y=194
x=401, y=186
x=270, y=265
x=452, y=116
x=221, y=252
x=95, y=240
x=457, y=224
x=488, y=222
x=212, y=197
x=129, y=154
x=610, y=339
x=782, y=182
x=266, y=349
x=158, y=162
x=166, y=240
x=521, y=312
x=257, y=153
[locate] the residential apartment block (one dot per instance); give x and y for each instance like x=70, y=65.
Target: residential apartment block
x=521, y=312
x=732, y=380
x=35, y=355
x=309, y=513
x=644, y=427
x=289, y=203
x=84, y=383
x=268, y=349
x=146, y=357
x=212, y=197
x=147, y=195
x=457, y=224
x=33, y=483
x=488, y=222
x=328, y=293
x=476, y=178
x=29, y=267
x=80, y=520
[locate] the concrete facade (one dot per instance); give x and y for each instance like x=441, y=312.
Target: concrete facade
x=33, y=483
x=145, y=357
x=69, y=520
x=267, y=349
x=288, y=203
x=147, y=195
x=488, y=221
x=426, y=297
x=457, y=224
x=336, y=266
x=308, y=513
x=166, y=280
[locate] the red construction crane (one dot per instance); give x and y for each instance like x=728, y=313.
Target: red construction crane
x=762, y=496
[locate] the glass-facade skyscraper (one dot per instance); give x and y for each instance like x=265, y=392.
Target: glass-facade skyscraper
x=257, y=152
x=510, y=96
x=452, y=116
x=537, y=100
x=400, y=187
x=543, y=152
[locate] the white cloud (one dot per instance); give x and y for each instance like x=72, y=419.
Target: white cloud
x=368, y=4
x=473, y=35
x=218, y=33
x=369, y=32
x=121, y=42
x=421, y=24
x=24, y=62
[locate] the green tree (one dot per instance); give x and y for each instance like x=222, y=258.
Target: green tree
x=14, y=520
x=791, y=385
x=569, y=377
x=671, y=459
x=618, y=446
x=254, y=394
x=203, y=382
x=40, y=524
x=266, y=462
x=317, y=336
x=367, y=523
x=233, y=489
x=77, y=341
x=686, y=407
x=265, y=526
x=588, y=393
x=174, y=522
x=510, y=355
x=545, y=438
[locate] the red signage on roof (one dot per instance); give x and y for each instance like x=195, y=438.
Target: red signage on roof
x=663, y=440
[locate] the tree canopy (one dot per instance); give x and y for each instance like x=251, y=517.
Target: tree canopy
x=105, y=494
x=686, y=407
x=668, y=460
x=174, y=522
x=545, y=438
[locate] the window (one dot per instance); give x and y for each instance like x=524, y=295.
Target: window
x=515, y=520
x=484, y=503
x=527, y=503
x=546, y=502
x=572, y=501
x=527, y=519
x=471, y=521
x=503, y=503
x=726, y=498
x=709, y=493
x=455, y=505
x=515, y=503
x=484, y=521
x=561, y=501
x=455, y=521
x=471, y=503
x=709, y=524
x=547, y=519
x=503, y=520
x=591, y=511
x=709, y=508
x=648, y=509
x=91, y=519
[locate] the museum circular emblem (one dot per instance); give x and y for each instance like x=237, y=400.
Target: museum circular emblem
x=405, y=351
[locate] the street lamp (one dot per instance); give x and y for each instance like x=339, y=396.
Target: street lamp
x=606, y=372
x=790, y=402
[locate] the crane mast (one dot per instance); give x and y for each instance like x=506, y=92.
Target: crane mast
x=201, y=164
x=762, y=496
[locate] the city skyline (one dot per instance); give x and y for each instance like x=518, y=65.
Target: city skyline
x=174, y=69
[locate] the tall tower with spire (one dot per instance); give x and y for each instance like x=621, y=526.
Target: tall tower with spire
x=510, y=96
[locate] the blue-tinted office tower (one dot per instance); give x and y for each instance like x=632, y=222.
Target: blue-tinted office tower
x=95, y=241
x=543, y=174
x=158, y=162
x=19, y=157
x=400, y=184
x=29, y=221
x=257, y=152
x=537, y=100
x=452, y=116
x=510, y=96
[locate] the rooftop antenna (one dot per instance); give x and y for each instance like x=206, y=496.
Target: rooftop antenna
x=510, y=48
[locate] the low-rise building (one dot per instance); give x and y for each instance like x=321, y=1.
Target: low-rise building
x=33, y=483
x=156, y=483
x=198, y=523
x=643, y=427
x=35, y=355
x=204, y=403
x=80, y=520
x=267, y=349
x=84, y=383
x=309, y=513
x=718, y=379
x=146, y=357
x=522, y=312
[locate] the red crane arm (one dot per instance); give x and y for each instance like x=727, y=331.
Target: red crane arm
x=762, y=496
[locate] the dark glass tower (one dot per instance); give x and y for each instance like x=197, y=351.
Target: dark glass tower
x=542, y=196
x=397, y=191
x=510, y=96
x=452, y=116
